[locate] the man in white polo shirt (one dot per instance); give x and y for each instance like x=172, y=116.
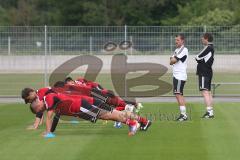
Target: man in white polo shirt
x=179, y=63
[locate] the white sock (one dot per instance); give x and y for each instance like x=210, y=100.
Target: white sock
x=183, y=110
x=210, y=110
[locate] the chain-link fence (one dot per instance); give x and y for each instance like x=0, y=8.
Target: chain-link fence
x=29, y=54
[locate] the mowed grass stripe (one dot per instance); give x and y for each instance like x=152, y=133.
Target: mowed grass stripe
x=12, y=84
x=18, y=143
x=196, y=139
x=166, y=140
x=222, y=133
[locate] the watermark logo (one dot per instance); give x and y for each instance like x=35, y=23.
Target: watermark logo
x=166, y=116
x=111, y=46
x=119, y=70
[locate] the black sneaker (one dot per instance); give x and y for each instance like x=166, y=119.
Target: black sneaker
x=144, y=127
x=207, y=115
x=182, y=118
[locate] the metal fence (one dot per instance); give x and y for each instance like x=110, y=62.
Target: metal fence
x=28, y=54
x=29, y=40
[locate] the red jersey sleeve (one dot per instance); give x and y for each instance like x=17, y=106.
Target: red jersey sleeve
x=51, y=100
x=80, y=89
x=42, y=92
x=92, y=84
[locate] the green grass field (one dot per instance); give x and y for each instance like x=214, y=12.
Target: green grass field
x=196, y=139
x=12, y=84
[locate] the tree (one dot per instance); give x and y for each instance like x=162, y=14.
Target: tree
x=3, y=16
x=197, y=11
x=216, y=17
x=119, y=12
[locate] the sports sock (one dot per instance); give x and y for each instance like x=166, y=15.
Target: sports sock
x=210, y=110
x=120, y=108
x=142, y=120
x=183, y=110
x=131, y=122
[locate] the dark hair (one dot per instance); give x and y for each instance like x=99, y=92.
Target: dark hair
x=68, y=79
x=208, y=36
x=26, y=92
x=59, y=84
x=181, y=36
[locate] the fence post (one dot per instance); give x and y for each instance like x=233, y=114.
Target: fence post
x=171, y=43
x=125, y=38
x=204, y=28
x=90, y=45
x=131, y=40
x=50, y=54
x=45, y=57
x=50, y=45
x=9, y=46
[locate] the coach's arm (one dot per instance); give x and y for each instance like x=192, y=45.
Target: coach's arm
x=200, y=57
x=173, y=60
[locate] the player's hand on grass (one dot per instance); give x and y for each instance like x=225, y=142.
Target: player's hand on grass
x=31, y=127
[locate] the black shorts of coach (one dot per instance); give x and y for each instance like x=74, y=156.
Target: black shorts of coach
x=204, y=82
x=178, y=86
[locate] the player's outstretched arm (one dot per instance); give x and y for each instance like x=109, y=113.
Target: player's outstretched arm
x=55, y=122
x=49, y=121
x=35, y=124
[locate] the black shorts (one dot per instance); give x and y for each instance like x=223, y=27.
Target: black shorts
x=204, y=83
x=178, y=86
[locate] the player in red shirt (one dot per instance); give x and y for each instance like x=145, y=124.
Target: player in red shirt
x=98, y=91
x=29, y=95
x=96, y=88
x=78, y=106
x=80, y=90
x=78, y=87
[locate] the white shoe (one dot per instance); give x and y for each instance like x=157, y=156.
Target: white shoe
x=129, y=107
x=138, y=107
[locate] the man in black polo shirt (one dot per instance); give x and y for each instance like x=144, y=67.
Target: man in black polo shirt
x=204, y=71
